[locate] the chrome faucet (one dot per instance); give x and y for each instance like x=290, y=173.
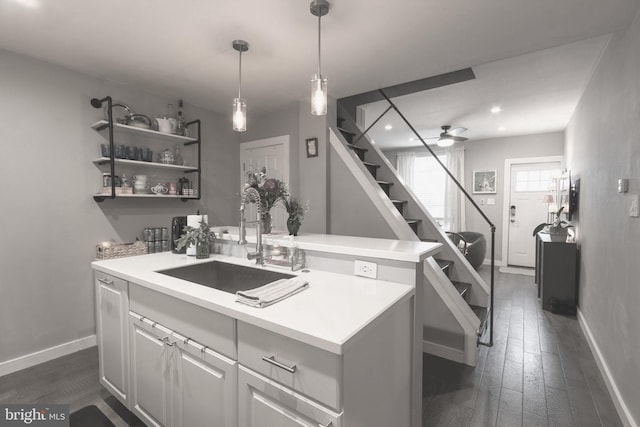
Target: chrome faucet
x=251, y=195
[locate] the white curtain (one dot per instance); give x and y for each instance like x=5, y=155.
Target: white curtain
x=454, y=218
x=405, y=164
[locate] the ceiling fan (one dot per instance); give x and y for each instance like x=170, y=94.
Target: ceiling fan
x=449, y=136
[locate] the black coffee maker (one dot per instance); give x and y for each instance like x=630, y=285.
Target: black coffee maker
x=178, y=223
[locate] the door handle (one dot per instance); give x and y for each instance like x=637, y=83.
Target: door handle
x=105, y=281
x=272, y=359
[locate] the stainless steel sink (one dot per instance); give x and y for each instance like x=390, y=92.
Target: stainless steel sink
x=224, y=276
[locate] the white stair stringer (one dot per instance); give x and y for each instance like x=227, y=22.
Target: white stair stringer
x=442, y=299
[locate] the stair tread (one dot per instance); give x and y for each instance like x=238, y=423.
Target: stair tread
x=343, y=130
x=461, y=287
x=371, y=164
x=443, y=263
x=413, y=220
x=355, y=147
x=481, y=313
x=384, y=182
x=398, y=201
x=429, y=240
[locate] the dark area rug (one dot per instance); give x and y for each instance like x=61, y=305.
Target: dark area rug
x=126, y=415
x=89, y=416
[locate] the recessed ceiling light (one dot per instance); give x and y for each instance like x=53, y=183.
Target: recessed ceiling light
x=495, y=109
x=388, y=127
x=502, y=128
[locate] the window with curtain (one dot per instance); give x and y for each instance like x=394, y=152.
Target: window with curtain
x=429, y=184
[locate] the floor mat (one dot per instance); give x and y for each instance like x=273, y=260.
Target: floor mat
x=126, y=415
x=89, y=416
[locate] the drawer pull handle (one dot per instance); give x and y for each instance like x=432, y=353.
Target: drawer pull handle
x=105, y=281
x=329, y=424
x=273, y=361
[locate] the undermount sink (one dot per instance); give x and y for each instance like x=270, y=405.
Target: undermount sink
x=224, y=276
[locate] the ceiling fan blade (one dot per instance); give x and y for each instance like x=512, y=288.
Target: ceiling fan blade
x=457, y=131
x=460, y=139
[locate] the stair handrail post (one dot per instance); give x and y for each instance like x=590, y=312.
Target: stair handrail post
x=469, y=198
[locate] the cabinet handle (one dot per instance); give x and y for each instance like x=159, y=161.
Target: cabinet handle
x=273, y=361
x=329, y=424
x=105, y=281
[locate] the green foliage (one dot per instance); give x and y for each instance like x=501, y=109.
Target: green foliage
x=192, y=235
x=295, y=209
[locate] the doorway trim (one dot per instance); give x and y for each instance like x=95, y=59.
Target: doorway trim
x=506, y=191
x=259, y=143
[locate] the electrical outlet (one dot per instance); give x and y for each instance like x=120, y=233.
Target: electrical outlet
x=634, y=208
x=365, y=269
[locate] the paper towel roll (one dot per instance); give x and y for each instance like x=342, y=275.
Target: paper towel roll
x=194, y=221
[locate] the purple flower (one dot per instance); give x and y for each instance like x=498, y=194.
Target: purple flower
x=270, y=186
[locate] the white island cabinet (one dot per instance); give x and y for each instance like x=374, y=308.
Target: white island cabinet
x=342, y=353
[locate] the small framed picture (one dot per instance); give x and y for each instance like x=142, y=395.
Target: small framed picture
x=484, y=182
x=312, y=147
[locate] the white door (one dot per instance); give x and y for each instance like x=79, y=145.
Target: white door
x=273, y=154
x=263, y=402
x=113, y=349
x=205, y=383
x=151, y=376
x=530, y=182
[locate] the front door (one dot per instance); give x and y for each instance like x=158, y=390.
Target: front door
x=530, y=182
x=273, y=154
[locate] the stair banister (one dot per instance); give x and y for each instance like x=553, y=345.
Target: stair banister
x=466, y=194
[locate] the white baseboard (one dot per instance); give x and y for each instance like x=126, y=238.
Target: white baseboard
x=45, y=355
x=443, y=351
x=614, y=392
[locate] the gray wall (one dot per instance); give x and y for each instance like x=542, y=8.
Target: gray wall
x=489, y=154
x=51, y=223
x=603, y=145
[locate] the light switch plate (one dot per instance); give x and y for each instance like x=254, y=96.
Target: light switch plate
x=633, y=207
x=491, y=201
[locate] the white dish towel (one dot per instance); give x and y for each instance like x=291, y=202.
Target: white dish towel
x=272, y=292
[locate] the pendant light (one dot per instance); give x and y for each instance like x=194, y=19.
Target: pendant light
x=239, y=104
x=319, y=8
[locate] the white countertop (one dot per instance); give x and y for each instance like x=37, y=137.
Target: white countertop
x=398, y=250
x=333, y=310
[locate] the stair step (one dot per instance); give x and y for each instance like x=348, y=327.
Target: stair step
x=444, y=265
x=340, y=121
x=348, y=132
x=413, y=223
x=385, y=185
x=372, y=168
x=483, y=314
x=429, y=240
x=358, y=150
x=462, y=288
x=399, y=204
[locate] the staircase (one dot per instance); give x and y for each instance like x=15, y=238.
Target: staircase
x=455, y=297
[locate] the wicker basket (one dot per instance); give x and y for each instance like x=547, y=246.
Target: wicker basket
x=120, y=250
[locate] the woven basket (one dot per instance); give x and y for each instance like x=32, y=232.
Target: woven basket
x=120, y=250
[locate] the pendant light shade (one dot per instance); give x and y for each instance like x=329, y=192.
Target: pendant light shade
x=319, y=8
x=239, y=104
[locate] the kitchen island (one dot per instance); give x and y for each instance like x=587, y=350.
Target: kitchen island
x=343, y=352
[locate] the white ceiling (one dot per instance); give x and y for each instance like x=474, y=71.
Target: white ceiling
x=183, y=49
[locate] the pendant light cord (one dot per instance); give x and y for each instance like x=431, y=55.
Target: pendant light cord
x=319, y=41
x=240, y=75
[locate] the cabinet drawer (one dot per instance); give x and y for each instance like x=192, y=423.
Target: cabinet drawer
x=311, y=371
x=209, y=328
x=263, y=402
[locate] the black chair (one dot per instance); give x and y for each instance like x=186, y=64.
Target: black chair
x=471, y=244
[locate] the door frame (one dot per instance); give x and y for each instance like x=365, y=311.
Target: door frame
x=506, y=191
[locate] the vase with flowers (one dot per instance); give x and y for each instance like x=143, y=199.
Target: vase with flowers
x=296, y=211
x=271, y=191
x=201, y=237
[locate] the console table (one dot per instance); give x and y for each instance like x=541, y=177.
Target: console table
x=555, y=275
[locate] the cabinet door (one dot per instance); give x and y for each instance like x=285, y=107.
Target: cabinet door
x=263, y=402
x=151, y=374
x=112, y=333
x=205, y=387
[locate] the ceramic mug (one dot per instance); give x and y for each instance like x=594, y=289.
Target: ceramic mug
x=159, y=189
x=120, y=151
x=164, y=125
x=173, y=188
x=146, y=155
x=132, y=153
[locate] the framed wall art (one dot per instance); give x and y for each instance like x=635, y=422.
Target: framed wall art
x=484, y=182
x=312, y=147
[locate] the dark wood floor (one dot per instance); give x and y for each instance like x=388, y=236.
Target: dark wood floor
x=540, y=372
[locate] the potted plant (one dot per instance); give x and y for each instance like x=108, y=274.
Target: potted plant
x=271, y=191
x=296, y=211
x=201, y=237
x=558, y=230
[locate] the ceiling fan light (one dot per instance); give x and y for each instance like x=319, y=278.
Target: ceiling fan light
x=445, y=141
